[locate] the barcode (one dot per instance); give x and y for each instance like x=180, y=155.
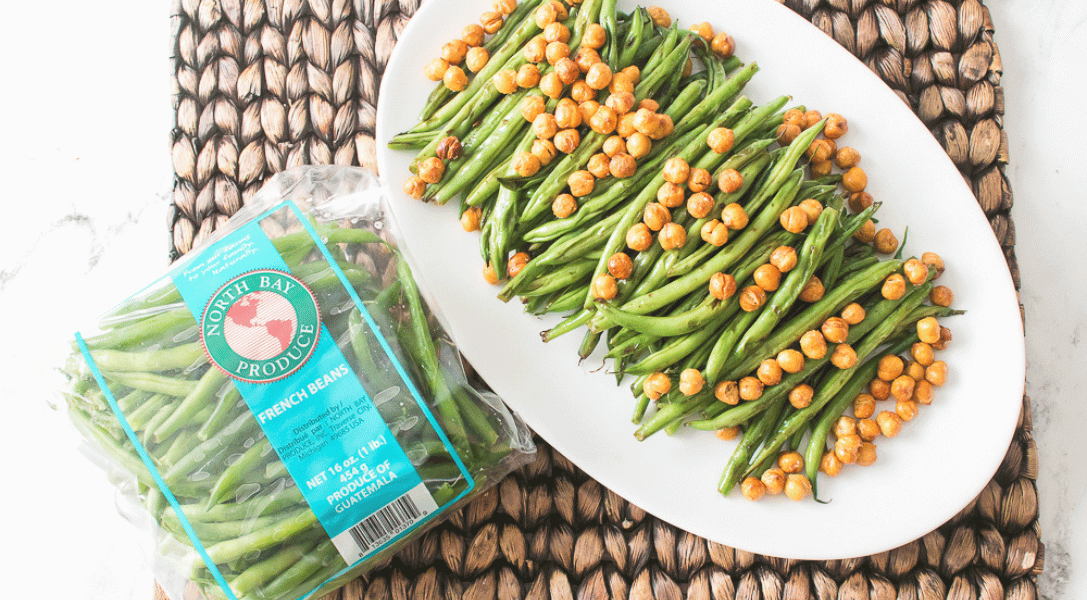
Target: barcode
x=385, y=523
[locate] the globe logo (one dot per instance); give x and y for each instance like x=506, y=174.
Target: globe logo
x=260, y=325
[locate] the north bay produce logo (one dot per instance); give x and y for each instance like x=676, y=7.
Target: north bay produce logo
x=261, y=326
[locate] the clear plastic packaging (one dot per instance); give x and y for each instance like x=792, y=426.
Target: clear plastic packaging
x=283, y=408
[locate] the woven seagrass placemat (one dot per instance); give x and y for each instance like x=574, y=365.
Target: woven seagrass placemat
x=263, y=85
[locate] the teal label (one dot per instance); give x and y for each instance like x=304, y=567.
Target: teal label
x=262, y=326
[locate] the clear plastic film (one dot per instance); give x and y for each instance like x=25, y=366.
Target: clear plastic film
x=283, y=405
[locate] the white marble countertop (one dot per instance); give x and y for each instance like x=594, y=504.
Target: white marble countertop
x=86, y=176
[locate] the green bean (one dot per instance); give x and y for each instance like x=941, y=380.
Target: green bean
x=753, y=436
x=230, y=478
x=150, y=382
x=209, y=383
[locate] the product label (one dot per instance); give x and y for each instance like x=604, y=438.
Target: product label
x=261, y=325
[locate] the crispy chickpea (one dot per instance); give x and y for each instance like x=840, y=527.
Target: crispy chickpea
x=455, y=79
x=902, y=388
x=638, y=144
x=491, y=21
x=620, y=266
x=916, y=271
x=469, y=219
x=648, y=104
x=528, y=76
x=556, y=51
x=843, y=357
x=945, y=339
x=936, y=373
x=787, y=132
x=449, y=148
x=604, y=287
x=867, y=429
x=476, y=59
x=866, y=455
x=801, y=396
x=941, y=296
x=676, y=170
x=793, y=116
x=581, y=183
x=933, y=261
x=699, y=205
x=672, y=236
x=867, y=232
x=620, y=102
x=567, y=140
x=544, y=151
x=655, y=215
x=923, y=392
x=836, y=126
x=599, y=165
x=691, y=382
x=906, y=409
x=750, y=388
x=546, y=15
x=564, y=205
x=454, y=51
x=603, y=120
x=922, y=353
x=505, y=81
x=722, y=286
x=670, y=195
x=773, y=480
x=435, y=69
x=615, y=145
x=568, y=72
x=727, y=392
x=859, y=201
x=890, y=424
x=752, y=488
x=794, y=219
x=791, y=462
x=914, y=370
x=415, y=187
x=489, y=274
x=752, y=297
x=727, y=433
x=811, y=118
x=812, y=208
x=835, y=330
x=525, y=164
x=639, y=238
x=864, y=406
x=791, y=361
x=714, y=233
x=556, y=32
x=889, y=367
x=853, y=313
x=551, y=85
x=894, y=286
x=473, y=34
x=599, y=76
x=769, y=372
x=656, y=385
x=699, y=180
x=847, y=447
x=885, y=241
x=730, y=181
x=880, y=389
x=588, y=108
x=820, y=169
x=644, y=120
x=735, y=217
x=581, y=92
x=662, y=127
x=624, y=128
x=634, y=74
x=767, y=277
x=516, y=263
x=855, y=180
x=545, y=126
x=784, y=258
x=594, y=37
x=830, y=465
x=504, y=7
x=723, y=45
x=844, y=425
x=703, y=30
x=820, y=150
x=928, y=330
x=660, y=17
x=813, y=290
x=623, y=166
x=847, y=157
x=532, y=107
x=813, y=344
x=720, y=140
x=432, y=169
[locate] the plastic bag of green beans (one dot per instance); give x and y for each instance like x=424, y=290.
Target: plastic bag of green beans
x=283, y=403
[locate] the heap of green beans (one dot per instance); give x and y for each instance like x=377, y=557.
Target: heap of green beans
x=691, y=293
x=204, y=441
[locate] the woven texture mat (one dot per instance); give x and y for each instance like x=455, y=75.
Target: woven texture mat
x=263, y=85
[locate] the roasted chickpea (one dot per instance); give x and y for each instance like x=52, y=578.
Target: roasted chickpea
x=923, y=392
x=454, y=51
x=928, y=330
x=604, y=287
x=835, y=330
x=594, y=37
x=516, y=263
x=750, y=388
x=864, y=406
x=672, y=236
x=676, y=170
x=469, y=219
x=551, y=85
x=491, y=21
x=656, y=215
x=455, y=79
x=620, y=102
x=603, y=120
x=505, y=81
x=564, y=205
x=699, y=205
x=545, y=126
x=820, y=150
x=922, y=353
x=730, y=181
x=727, y=392
x=773, y=480
x=634, y=74
x=525, y=164
x=880, y=389
x=784, y=258
x=648, y=104
x=544, y=151
x=691, y=382
x=703, y=30
x=801, y=396
x=867, y=429
x=767, y=277
x=624, y=128
x=556, y=32
x=830, y=465
x=787, y=132
x=859, y=201
x=890, y=424
x=599, y=76
x=894, y=286
x=435, y=69
x=473, y=34
x=734, y=216
x=449, y=148
x=532, y=107
x=847, y=447
x=556, y=51
x=902, y=388
x=889, y=367
x=720, y=140
x=728, y=433
x=660, y=17
x=811, y=118
x=639, y=238
x=914, y=370
x=794, y=219
x=791, y=361
x=933, y=261
x=845, y=426
x=793, y=116
x=836, y=126
x=769, y=372
x=504, y=7
x=819, y=169
x=813, y=344
x=723, y=45
x=489, y=274
x=588, y=108
x=620, y=266
x=936, y=373
x=941, y=296
x=885, y=241
x=581, y=183
x=812, y=208
x=546, y=15
x=528, y=76
x=791, y=462
x=670, y=195
x=644, y=120
x=853, y=313
x=638, y=144
x=866, y=455
x=843, y=357
x=699, y=180
x=614, y=145
x=599, y=165
x=656, y=385
x=567, y=140
x=752, y=488
x=622, y=166
x=415, y=187
x=855, y=180
x=722, y=286
x=568, y=73
x=916, y=271
x=945, y=339
x=476, y=59
x=813, y=290
x=847, y=157
x=906, y=409
x=752, y=297
x=432, y=169
x=867, y=232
